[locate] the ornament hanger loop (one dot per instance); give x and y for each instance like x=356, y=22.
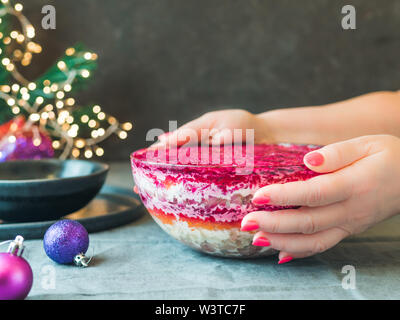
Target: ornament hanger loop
x=16, y=246
x=5, y=242
x=83, y=261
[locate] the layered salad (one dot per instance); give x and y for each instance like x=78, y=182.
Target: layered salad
x=200, y=194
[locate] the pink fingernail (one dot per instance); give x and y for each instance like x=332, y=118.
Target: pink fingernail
x=314, y=159
x=250, y=226
x=260, y=200
x=135, y=189
x=261, y=242
x=285, y=259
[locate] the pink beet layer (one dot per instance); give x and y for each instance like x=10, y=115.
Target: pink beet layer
x=211, y=183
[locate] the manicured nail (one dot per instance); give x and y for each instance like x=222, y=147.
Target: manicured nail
x=261, y=242
x=135, y=189
x=285, y=259
x=260, y=200
x=314, y=159
x=250, y=226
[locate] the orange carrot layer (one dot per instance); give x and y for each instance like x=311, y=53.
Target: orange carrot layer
x=169, y=218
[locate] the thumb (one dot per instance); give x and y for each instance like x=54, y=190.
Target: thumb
x=338, y=155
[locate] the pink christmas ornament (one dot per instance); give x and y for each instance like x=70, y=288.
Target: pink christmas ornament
x=16, y=275
x=19, y=142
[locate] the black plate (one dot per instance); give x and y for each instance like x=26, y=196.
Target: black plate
x=111, y=208
x=38, y=190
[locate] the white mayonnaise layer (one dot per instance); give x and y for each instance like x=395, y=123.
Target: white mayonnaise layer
x=221, y=242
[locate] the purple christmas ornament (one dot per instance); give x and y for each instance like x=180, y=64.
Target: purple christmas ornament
x=26, y=144
x=16, y=275
x=66, y=241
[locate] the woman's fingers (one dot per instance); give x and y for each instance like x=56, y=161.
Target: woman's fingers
x=301, y=243
x=339, y=155
x=222, y=136
x=178, y=137
x=317, y=191
x=323, y=189
x=304, y=220
x=192, y=132
x=285, y=257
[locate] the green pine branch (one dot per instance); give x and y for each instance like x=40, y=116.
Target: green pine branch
x=74, y=63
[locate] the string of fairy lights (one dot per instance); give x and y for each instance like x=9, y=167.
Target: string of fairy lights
x=47, y=103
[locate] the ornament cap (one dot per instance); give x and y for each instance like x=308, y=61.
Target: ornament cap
x=81, y=260
x=17, y=246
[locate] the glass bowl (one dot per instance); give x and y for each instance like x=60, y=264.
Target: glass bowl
x=199, y=195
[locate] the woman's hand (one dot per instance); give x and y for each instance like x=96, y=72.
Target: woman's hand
x=217, y=127
x=361, y=187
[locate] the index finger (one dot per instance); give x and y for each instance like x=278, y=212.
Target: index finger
x=317, y=191
x=190, y=133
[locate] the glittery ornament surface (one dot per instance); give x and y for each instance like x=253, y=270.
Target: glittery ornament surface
x=19, y=143
x=64, y=240
x=12, y=126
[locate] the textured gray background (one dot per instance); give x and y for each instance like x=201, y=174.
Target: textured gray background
x=163, y=60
